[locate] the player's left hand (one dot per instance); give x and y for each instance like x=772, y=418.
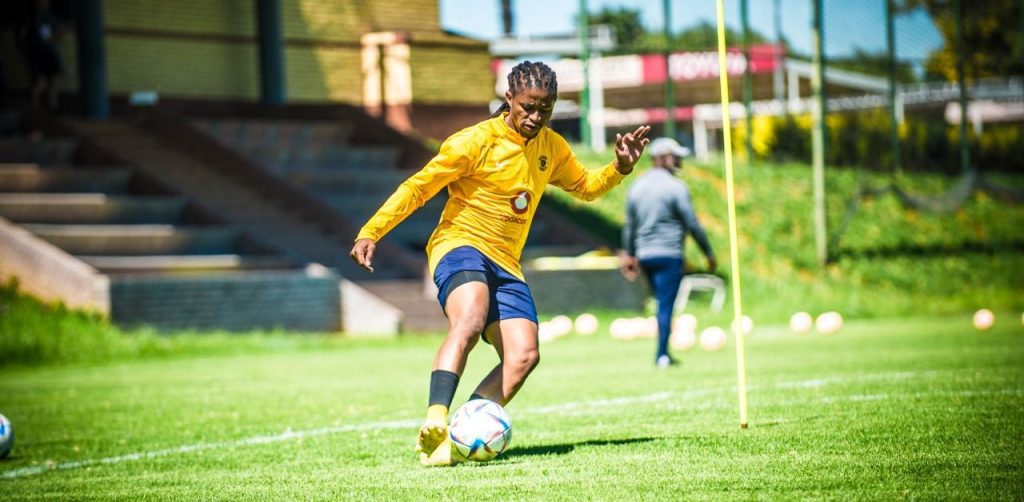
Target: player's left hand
x=630, y=266
x=629, y=147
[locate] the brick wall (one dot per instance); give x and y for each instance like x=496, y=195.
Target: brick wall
x=207, y=49
x=451, y=74
x=234, y=302
x=573, y=291
x=48, y=273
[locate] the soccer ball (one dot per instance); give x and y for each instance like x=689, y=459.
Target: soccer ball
x=829, y=323
x=561, y=324
x=984, y=319
x=683, y=340
x=480, y=430
x=586, y=324
x=746, y=325
x=801, y=323
x=6, y=437
x=712, y=338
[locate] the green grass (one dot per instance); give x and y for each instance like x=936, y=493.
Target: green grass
x=890, y=262
x=33, y=333
x=922, y=407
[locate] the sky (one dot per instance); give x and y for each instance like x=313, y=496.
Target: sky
x=849, y=24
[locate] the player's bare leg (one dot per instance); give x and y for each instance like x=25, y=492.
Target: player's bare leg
x=515, y=340
x=467, y=310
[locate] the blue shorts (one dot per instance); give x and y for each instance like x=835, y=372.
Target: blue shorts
x=510, y=297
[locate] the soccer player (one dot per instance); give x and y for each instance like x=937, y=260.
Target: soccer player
x=495, y=172
x=659, y=215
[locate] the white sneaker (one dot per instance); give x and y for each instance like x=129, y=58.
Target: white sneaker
x=663, y=362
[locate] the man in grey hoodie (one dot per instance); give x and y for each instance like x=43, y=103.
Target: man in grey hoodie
x=659, y=215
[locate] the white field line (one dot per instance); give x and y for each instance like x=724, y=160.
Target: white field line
x=411, y=423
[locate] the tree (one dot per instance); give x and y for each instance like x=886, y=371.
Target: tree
x=627, y=24
x=992, y=37
x=704, y=36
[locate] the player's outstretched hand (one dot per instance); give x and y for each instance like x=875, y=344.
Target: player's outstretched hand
x=362, y=253
x=629, y=147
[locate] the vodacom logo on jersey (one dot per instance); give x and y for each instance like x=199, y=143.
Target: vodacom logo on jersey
x=520, y=202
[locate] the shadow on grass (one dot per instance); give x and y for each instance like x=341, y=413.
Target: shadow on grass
x=562, y=449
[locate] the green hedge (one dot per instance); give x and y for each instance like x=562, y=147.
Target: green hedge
x=927, y=143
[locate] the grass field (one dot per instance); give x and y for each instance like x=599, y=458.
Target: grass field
x=890, y=261
x=909, y=408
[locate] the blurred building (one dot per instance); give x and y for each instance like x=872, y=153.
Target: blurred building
x=333, y=51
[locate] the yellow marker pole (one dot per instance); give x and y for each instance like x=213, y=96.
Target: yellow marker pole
x=737, y=325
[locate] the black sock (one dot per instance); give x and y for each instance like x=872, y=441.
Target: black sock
x=442, y=387
x=476, y=396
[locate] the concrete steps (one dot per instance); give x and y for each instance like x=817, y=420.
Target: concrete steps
x=178, y=264
x=36, y=178
x=112, y=239
x=136, y=240
x=55, y=151
x=421, y=312
x=94, y=208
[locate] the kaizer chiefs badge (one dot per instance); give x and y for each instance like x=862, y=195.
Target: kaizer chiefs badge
x=543, y=162
x=520, y=202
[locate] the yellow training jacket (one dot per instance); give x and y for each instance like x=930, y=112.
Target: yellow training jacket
x=495, y=180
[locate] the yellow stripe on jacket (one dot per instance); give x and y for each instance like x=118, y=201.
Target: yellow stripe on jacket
x=495, y=180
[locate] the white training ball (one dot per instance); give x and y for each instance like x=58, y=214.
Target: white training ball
x=647, y=327
x=6, y=437
x=683, y=340
x=480, y=430
x=635, y=327
x=546, y=332
x=712, y=338
x=619, y=329
x=746, y=325
x=801, y=323
x=684, y=322
x=562, y=324
x=829, y=323
x=984, y=319
x=586, y=324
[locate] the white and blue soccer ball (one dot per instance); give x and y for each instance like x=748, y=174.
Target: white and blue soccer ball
x=480, y=430
x=6, y=437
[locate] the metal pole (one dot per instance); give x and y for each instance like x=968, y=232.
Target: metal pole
x=271, y=52
x=507, y=19
x=818, y=133
x=584, y=32
x=777, y=78
x=890, y=32
x=748, y=81
x=92, y=60
x=670, y=89
x=965, y=154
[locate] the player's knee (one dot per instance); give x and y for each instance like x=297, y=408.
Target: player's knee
x=467, y=328
x=526, y=360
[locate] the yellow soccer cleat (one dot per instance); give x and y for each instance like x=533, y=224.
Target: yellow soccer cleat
x=434, y=429
x=442, y=456
x=432, y=434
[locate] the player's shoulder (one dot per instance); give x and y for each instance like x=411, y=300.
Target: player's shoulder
x=554, y=141
x=470, y=136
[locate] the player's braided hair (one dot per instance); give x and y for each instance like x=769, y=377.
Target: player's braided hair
x=526, y=75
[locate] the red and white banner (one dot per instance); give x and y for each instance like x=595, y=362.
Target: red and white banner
x=616, y=72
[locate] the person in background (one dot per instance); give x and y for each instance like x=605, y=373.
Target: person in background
x=659, y=215
x=40, y=38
